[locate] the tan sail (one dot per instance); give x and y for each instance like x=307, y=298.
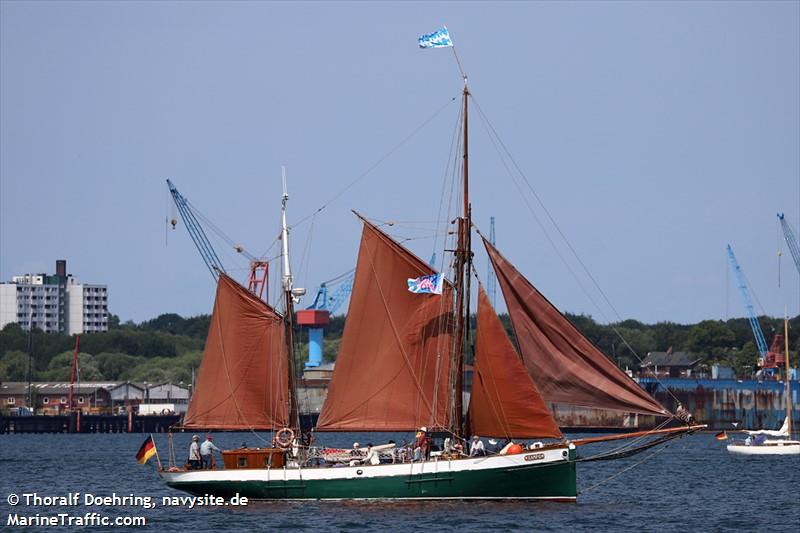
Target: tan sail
x=564, y=364
x=504, y=400
x=393, y=367
x=242, y=383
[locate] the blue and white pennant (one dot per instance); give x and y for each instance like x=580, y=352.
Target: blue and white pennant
x=438, y=39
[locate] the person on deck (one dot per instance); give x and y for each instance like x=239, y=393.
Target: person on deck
x=207, y=450
x=421, y=444
x=356, y=451
x=682, y=414
x=476, y=448
x=194, y=453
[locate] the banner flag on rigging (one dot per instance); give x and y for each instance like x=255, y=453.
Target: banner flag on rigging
x=437, y=39
x=426, y=284
x=147, y=450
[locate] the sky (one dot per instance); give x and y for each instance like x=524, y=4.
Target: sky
x=654, y=133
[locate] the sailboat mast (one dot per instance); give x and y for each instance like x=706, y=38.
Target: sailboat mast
x=787, y=382
x=463, y=265
x=289, y=301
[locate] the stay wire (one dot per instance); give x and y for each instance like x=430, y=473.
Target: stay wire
x=569, y=246
x=377, y=163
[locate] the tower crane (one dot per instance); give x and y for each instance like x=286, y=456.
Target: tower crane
x=791, y=241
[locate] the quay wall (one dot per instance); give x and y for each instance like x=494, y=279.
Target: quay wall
x=720, y=403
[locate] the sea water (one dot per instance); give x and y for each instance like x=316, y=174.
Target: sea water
x=692, y=484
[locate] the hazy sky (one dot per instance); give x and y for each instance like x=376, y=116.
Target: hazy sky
x=654, y=132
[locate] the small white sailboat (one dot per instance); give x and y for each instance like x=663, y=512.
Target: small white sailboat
x=757, y=442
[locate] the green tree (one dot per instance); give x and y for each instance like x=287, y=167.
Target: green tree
x=113, y=366
x=744, y=360
x=710, y=339
x=60, y=368
x=14, y=366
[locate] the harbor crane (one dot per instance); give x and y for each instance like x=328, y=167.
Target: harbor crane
x=317, y=315
x=771, y=357
x=761, y=342
x=196, y=232
x=259, y=269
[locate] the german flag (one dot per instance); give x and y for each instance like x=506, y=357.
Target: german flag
x=721, y=436
x=147, y=450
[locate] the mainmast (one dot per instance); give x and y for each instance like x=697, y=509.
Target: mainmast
x=463, y=267
x=291, y=295
x=787, y=382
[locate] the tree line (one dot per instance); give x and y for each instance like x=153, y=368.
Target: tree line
x=169, y=347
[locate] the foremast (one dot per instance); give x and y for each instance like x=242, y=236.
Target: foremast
x=289, y=295
x=463, y=268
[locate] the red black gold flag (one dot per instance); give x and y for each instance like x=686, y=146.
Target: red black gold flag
x=721, y=435
x=147, y=450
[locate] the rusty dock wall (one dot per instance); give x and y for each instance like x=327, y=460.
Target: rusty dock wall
x=720, y=403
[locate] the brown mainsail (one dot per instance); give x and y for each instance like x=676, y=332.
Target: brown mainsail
x=504, y=400
x=393, y=367
x=242, y=383
x=564, y=364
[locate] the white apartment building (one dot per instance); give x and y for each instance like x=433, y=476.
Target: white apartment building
x=54, y=304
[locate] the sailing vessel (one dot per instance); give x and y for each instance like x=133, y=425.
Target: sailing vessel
x=400, y=368
x=757, y=442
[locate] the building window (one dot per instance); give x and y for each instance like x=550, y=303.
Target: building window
x=11, y=400
x=45, y=400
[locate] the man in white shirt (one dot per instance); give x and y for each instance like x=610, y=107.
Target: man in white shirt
x=207, y=450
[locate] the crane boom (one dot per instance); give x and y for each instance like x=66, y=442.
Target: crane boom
x=791, y=241
x=202, y=243
x=343, y=284
x=748, y=304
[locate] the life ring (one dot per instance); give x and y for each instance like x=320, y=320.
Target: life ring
x=284, y=437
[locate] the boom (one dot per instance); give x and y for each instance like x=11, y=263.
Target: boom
x=748, y=304
x=791, y=241
x=196, y=232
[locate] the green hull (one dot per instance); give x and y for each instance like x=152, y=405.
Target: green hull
x=554, y=481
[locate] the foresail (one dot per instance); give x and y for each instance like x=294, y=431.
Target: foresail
x=504, y=400
x=564, y=364
x=243, y=380
x=393, y=367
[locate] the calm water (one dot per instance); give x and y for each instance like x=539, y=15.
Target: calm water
x=691, y=485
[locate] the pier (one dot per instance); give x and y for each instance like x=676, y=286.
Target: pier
x=87, y=423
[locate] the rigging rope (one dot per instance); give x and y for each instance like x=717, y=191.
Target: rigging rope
x=634, y=465
x=377, y=163
x=494, y=135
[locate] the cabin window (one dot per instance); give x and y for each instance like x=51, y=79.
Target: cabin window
x=80, y=399
x=242, y=462
x=11, y=400
x=45, y=400
x=63, y=399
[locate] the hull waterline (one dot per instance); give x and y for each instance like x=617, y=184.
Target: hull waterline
x=548, y=475
x=768, y=448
